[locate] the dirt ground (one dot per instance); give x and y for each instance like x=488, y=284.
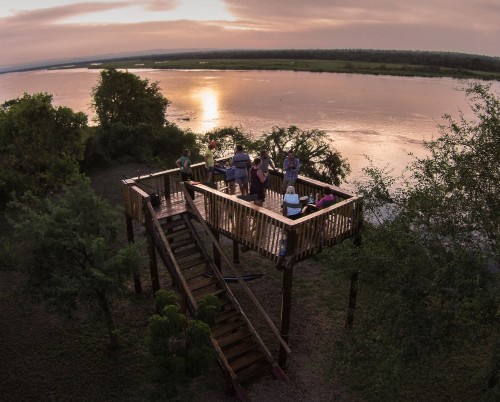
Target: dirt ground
x=45, y=358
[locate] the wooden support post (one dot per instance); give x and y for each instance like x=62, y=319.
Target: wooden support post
x=236, y=252
x=130, y=238
x=286, y=308
x=153, y=267
x=166, y=185
x=217, y=259
x=353, y=292
x=286, y=298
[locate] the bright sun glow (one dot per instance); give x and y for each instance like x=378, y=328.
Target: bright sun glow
x=209, y=100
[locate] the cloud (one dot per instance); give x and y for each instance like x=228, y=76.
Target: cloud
x=454, y=13
x=54, y=14
x=458, y=25
x=160, y=5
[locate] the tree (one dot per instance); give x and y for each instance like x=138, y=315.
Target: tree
x=40, y=146
x=73, y=258
x=318, y=159
x=133, y=125
x=456, y=191
x=122, y=97
x=434, y=295
x=179, y=346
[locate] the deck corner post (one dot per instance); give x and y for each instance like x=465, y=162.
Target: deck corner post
x=166, y=186
x=286, y=298
x=236, y=252
x=130, y=237
x=153, y=266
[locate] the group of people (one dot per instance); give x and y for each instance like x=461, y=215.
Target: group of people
x=295, y=209
x=251, y=176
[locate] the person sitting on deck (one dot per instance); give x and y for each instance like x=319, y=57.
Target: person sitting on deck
x=327, y=200
x=291, y=198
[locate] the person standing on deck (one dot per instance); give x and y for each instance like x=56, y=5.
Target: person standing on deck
x=290, y=170
x=184, y=164
x=258, y=182
x=266, y=161
x=209, y=161
x=241, y=161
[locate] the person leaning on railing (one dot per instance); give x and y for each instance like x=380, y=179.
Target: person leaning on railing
x=184, y=164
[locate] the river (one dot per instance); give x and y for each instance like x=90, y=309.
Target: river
x=382, y=117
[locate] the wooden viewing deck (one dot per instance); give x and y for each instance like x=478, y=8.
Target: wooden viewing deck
x=259, y=228
x=170, y=232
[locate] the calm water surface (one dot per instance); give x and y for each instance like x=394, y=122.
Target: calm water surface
x=379, y=116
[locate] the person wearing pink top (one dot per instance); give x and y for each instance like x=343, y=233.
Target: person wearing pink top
x=327, y=199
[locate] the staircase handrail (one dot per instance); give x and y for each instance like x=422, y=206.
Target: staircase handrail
x=233, y=268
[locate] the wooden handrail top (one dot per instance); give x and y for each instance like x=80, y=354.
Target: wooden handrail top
x=291, y=224
x=274, y=172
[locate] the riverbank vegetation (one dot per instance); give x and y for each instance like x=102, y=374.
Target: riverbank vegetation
x=379, y=62
x=427, y=323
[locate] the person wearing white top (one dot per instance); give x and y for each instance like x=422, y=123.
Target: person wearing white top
x=292, y=198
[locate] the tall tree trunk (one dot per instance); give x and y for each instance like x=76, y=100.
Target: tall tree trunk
x=108, y=318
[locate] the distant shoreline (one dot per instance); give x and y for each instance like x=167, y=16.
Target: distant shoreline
x=373, y=62
x=321, y=66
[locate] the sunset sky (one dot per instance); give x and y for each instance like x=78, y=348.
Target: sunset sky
x=42, y=30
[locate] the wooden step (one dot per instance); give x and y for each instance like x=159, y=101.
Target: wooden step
x=175, y=223
x=201, y=283
x=193, y=273
x=176, y=233
x=226, y=315
x=233, y=338
x=247, y=360
x=229, y=326
x=260, y=368
x=235, y=351
x=202, y=293
x=181, y=243
x=192, y=263
x=186, y=253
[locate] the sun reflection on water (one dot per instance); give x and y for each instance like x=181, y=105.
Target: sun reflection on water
x=209, y=100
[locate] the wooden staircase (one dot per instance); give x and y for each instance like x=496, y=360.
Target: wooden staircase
x=240, y=351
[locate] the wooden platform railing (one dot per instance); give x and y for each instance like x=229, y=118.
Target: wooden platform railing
x=256, y=227
x=264, y=230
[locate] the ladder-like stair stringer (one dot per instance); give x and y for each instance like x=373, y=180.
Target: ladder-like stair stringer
x=239, y=349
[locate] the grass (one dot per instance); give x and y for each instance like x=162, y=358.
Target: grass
x=327, y=66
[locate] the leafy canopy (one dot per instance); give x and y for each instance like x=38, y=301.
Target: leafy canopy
x=430, y=268
x=122, y=97
x=318, y=158
x=131, y=113
x=40, y=146
x=73, y=258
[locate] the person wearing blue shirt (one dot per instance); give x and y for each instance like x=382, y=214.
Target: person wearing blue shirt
x=241, y=161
